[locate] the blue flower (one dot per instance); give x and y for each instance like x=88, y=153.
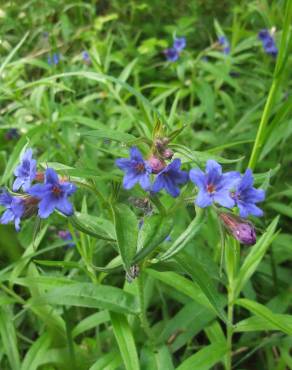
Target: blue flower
x=245, y=196
x=26, y=172
x=11, y=134
x=136, y=170
x=55, y=59
x=171, y=54
x=169, y=179
x=214, y=186
x=179, y=43
x=223, y=41
x=14, y=209
x=66, y=236
x=85, y=56
x=268, y=42
x=53, y=195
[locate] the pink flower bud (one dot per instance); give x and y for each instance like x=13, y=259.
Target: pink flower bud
x=156, y=164
x=241, y=229
x=167, y=154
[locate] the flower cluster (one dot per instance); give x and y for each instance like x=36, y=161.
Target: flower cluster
x=228, y=189
x=137, y=170
x=224, y=43
x=172, y=54
x=42, y=198
x=268, y=42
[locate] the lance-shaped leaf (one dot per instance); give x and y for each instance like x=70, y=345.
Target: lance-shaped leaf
x=126, y=227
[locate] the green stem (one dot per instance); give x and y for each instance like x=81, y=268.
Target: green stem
x=229, y=328
x=143, y=317
x=279, y=68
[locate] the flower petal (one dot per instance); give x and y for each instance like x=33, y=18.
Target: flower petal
x=51, y=176
x=46, y=206
x=135, y=154
x=199, y=178
x=130, y=179
x=158, y=184
x=203, y=199
x=40, y=190
x=212, y=165
x=7, y=217
x=63, y=205
x=124, y=164
x=144, y=181
x=170, y=187
x=17, y=184
x=223, y=198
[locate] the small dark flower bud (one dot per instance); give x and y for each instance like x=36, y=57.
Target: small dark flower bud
x=156, y=164
x=167, y=154
x=30, y=206
x=159, y=144
x=241, y=229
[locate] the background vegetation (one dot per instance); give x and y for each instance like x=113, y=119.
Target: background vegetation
x=65, y=307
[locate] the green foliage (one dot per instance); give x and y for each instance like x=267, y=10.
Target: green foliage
x=144, y=286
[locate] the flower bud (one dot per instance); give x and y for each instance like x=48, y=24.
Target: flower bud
x=167, y=154
x=39, y=176
x=30, y=206
x=241, y=229
x=156, y=164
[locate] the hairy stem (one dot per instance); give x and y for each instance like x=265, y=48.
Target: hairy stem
x=229, y=328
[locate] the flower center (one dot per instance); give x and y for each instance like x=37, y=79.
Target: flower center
x=211, y=188
x=56, y=190
x=140, y=167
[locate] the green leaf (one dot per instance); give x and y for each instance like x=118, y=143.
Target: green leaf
x=93, y=226
x=280, y=322
x=89, y=295
x=91, y=322
x=205, y=282
x=200, y=158
x=205, y=358
x=190, y=232
x=126, y=227
x=35, y=354
x=112, y=135
x=153, y=232
x=257, y=323
x=254, y=257
x=8, y=336
x=181, y=284
x=111, y=360
x=125, y=340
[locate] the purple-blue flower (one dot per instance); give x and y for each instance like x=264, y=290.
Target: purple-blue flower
x=223, y=41
x=214, y=186
x=85, y=56
x=179, y=43
x=66, y=236
x=11, y=134
x=268, y=42
x=245, y=196
x=14, y=209
x=55, y=59
x=169, y=179
x=171, y=54
x=136, y=170
x=26, y=172
x=53, y=194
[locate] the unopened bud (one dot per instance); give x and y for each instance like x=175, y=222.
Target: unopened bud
x=167, y=154
x=156, y=164
x=40, y=176
x=30, y=206
x=241, y=229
